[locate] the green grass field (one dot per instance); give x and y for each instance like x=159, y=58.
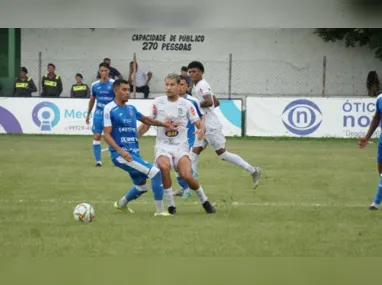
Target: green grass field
x=312, y=201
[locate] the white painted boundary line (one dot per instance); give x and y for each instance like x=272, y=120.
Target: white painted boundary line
x=181, y=202
x=43, y=150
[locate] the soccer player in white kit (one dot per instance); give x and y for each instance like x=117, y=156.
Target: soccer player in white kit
x=172, y=147
x=214, y=133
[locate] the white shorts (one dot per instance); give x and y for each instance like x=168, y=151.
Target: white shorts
x=214, y=138
x=174, y=153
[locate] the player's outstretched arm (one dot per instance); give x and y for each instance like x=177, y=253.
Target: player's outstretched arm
x=151, y=122
x=143, y=128
x=373, y=126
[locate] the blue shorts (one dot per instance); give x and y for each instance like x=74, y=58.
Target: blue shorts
x=138, y=169
x=97, y=124
x=379, y=153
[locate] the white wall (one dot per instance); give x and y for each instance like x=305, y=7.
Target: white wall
x=192, y=14
x=265, y=61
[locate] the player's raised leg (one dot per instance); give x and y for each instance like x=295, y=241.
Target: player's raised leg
x=139, y=170
x=217, y=141
x=164, y=165
x=185, y=172
x=135, y=192
x=237, y=160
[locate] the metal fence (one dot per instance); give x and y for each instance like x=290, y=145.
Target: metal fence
x=228, y=77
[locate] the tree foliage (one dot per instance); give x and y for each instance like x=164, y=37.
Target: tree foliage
x=355, y=37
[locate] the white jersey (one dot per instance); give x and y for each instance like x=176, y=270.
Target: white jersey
x=181, y=111
x=202, y=88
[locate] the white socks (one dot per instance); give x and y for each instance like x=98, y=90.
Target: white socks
x=194, y=160
x=123, y=202
x=159, y=206
x=168, y=195
x=237, y=160
x=200, y=193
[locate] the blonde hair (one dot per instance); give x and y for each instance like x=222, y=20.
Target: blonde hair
x=173, y=76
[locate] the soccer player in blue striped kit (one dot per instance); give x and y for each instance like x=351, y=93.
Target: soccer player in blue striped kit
x=375, y=122
x=102, y=91
x=120, y=132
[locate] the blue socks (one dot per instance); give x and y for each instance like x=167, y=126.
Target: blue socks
x=378, y=195
x=182, y=183
x=133, y=194
x=97, y=150
x=156, y=184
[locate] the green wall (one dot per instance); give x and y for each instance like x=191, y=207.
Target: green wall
x=10, y=58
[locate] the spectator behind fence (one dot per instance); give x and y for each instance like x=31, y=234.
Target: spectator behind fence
x=142, y=80
x=80, y=89
x=184, y=72
x=24, y=86
x=51, y=83
x=113, y=71
x=373, y=84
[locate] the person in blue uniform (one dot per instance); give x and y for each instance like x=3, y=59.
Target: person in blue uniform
x=120, y=133
x=102, y=93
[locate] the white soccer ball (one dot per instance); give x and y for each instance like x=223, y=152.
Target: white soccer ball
x=83, y=213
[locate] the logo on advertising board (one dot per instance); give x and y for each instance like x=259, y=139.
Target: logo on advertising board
x=46, y=116
x=302, y=117
x=8, y=122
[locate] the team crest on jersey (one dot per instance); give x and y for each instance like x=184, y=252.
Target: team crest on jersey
x=170, y=133
x=109, y=87
x=180, y=111
x=131, y=113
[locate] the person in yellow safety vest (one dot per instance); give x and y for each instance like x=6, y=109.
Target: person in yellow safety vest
x=24, y=86
x=80, y=90
x=51, y=83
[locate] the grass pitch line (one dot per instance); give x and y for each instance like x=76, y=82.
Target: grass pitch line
x=180, y=202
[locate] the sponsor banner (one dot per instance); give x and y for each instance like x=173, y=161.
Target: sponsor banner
x=67, y=116
x=310, y=117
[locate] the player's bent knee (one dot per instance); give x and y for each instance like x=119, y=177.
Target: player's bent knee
x=97, y=137
x=153, y=172
x=186, y=176
x=142, y=188
x=164, y=166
